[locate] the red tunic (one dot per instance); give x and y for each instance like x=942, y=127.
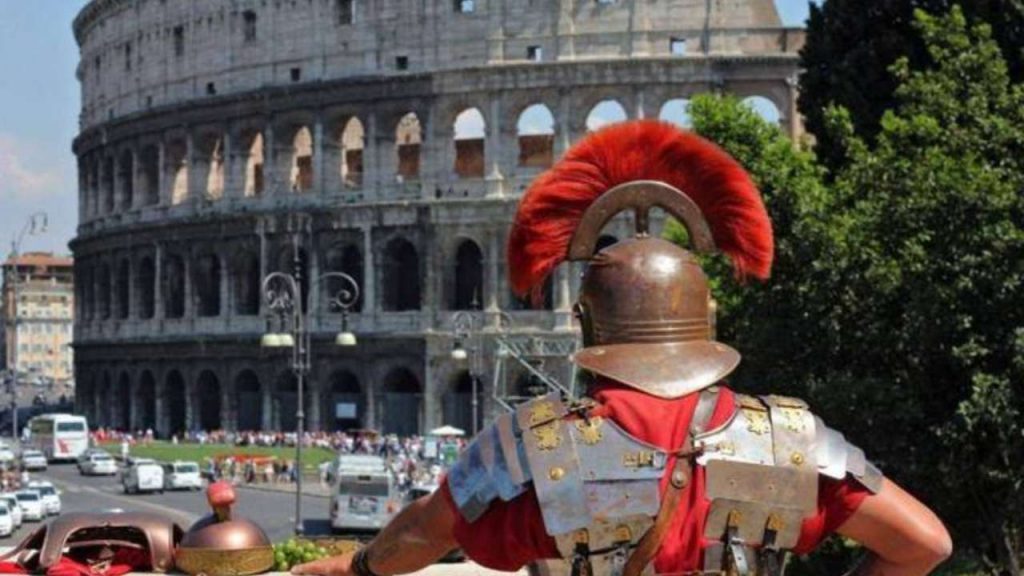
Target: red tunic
x=511, y=534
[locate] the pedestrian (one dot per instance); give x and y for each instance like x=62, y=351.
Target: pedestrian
x=661, y=467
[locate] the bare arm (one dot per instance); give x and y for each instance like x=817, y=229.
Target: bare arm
x=418, y=536
x=904, y=536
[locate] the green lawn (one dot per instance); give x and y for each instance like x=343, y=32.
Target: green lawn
x=165, y=451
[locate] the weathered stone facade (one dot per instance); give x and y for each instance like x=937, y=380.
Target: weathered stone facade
x=389, y=139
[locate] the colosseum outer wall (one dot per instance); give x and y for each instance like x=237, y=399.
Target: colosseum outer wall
x=389, y=139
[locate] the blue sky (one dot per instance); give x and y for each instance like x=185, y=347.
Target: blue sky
x=39, y=102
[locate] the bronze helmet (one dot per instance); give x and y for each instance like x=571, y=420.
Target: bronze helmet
x=645, y=308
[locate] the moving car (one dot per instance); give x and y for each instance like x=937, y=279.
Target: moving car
x=31, y=505
x=33, y=460
x=143, y=476
x=182, y=476
x=6, y=455
x=366, y=494
x=6, y=520
x=59, y=436
x=97, y=463
x=12, y=504
x=49, y=494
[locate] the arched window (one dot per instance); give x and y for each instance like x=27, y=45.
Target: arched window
x=250, y=401
x=124, y=279
x=469, y=277
x=302, y=161
x=206, y=280
x=146, y=403
x=352, y=142
x=347, y=259
x=174, y=286
x=401, y=286
x=103, y=291
x=400, y=403
x=765, y=108
x=604, y=113
x=174, y=392
x=108, y=184
x=676, y=111
x=247, y=284
x=254, y=167
x=469, y=144
x=145, y=287
x=458, y=402
x=123, y=403
x=207, y=401
x=150, y=183
x=536, y=131
x=408, y=140
x=126, y=173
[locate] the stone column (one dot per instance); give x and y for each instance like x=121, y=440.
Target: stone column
x=563, y=304
x=318, y=153
x=228, y=415
x=190, y=311
x=565, y=123
x=158, y=283
x=225, y=292
x=136, y=177
x=492, y=150
x=369, y=287
x=372, y=176
x=638, y=98
x=313, y=400
x=229, y=163
x=492, y=280
x=160, y=404
x=163, y=194
x=269, y=160
x=195, y=189
x=191, y=410
x=267, y=405
x=118, y=184
x=313, y=260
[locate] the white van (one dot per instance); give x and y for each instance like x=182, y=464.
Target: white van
x=182, y=476
x=143, y=476
x=365, y=494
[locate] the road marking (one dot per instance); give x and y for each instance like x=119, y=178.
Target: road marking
x=112, y=493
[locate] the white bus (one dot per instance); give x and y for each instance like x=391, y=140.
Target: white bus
x=59, y=436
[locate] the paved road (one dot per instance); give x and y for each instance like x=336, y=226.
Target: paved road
x=274, y=511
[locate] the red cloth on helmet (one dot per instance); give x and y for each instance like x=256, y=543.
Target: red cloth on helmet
x=511, y=534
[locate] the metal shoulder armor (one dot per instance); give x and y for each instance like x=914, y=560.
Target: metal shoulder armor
x=492, y=467
x=837, y=458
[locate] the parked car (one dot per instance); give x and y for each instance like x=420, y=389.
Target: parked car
x=49, y=494
x=182, y=476
x=143, y=477
x=6, y=455
x=97, y=463
x=31, y=505
x=12, y=504
x=33, y=460
x=6, y=520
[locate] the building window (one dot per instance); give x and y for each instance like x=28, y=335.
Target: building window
x=128, y=56
x=344, y=9
x=534, y=53
x=249, y=26
x=211, y=88
x=402, y=62
x=179, y=40
x=296, y=74
x=465, y=6
x=677, y=46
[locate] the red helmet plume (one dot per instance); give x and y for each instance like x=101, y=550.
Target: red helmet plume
x=639, y=150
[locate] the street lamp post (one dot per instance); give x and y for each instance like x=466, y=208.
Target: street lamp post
x=283, y=294
x=468, y=342
x=36, y=224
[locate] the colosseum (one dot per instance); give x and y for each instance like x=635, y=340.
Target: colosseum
x=222, y=140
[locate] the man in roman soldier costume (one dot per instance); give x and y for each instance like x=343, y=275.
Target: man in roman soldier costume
x=660, y=468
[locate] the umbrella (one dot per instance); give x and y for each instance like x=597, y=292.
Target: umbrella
x=447, y=431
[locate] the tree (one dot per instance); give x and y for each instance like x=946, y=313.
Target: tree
x=852, y=43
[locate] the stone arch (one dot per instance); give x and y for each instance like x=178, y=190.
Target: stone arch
x=207, y=401
x=206, y=285
x=604, y=113
x=765, y=108
x=408, y=144
x=249, y=399
x=676, y=111
x=174, y=286
x=176, y=162
x=106, y=396
x=145, y=288
x=254, y=163
x=300, y=177
x=401, y=404
x=458, y=401
x=247, y=283
x=535, y=131
x=352, y=142
x=468, y=281
x=123, y=288
x=103, y=286
x=126, y=178
x=146, y=403
x=345, y=402
x=470, y=135
x=149, y=184
x=175, y=402
x=347, y=258
x=123, y=403
x=401, y=277
x=210, y=163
